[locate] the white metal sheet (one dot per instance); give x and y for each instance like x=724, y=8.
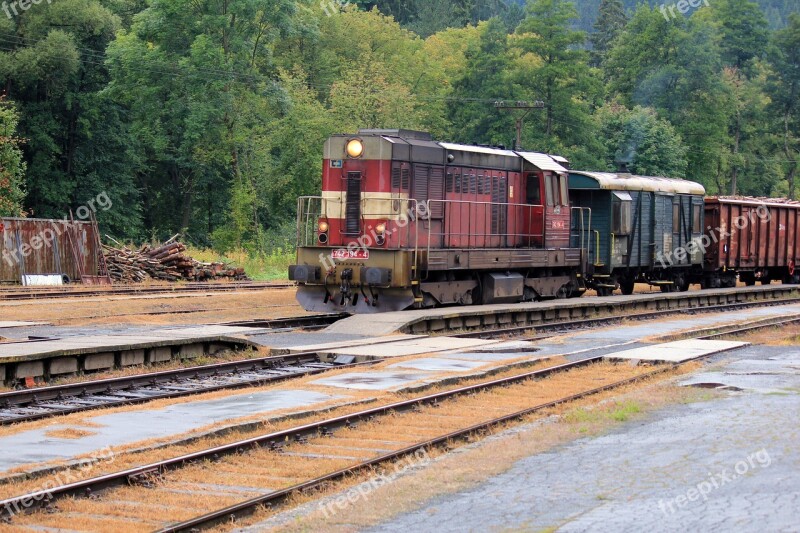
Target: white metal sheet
x=624, y=196
x=42, y=280
x=677, y=352
x=477, y=149
x=542, y=161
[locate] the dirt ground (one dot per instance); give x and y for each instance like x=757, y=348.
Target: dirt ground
x=192, y=308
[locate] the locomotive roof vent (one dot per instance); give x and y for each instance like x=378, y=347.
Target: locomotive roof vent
x=405, y=134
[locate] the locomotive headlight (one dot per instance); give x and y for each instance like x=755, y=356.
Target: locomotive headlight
x=323, y=227
x=380, y=229
x=355, y=148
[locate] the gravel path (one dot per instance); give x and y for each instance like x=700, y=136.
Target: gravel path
x=725, y=465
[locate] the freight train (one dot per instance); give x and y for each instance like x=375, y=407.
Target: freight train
x=408, y=222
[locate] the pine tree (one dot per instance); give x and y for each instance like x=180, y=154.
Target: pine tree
x=554, y=69
x=485, y=79
x=784, y=90
x=611, y=20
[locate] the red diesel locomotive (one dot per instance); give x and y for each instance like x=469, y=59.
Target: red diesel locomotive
x=405, y=221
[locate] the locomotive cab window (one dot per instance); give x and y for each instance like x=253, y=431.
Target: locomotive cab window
x=562, y=180
x=621, y=213
x=548, y=190
x=533, y=191
x=556, y=190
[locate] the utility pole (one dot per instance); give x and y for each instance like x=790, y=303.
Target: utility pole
x=525, y=107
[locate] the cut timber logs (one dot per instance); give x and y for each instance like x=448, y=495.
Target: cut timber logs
x=166, y=262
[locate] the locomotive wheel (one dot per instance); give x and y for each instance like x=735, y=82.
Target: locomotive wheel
x=627, y=286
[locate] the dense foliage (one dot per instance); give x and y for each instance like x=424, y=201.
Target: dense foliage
x=208, y=117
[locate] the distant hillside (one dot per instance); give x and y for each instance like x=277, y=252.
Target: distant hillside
x=776, y=11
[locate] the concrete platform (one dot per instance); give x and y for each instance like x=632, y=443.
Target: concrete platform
x=483, y=316
x=68, y=355
x=677, y=352
x=414, y=346
x=329, y=347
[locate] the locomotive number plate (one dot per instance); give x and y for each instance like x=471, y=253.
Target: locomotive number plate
x=559, y=224
x=343, y=254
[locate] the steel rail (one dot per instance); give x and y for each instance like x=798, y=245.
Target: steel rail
x=750, y=328
x=32, y=294
x=249, y=507
x=274, y=440
x=46, y=402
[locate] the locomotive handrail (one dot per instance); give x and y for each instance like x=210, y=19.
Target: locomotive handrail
x=474, y=234
x=584, y=232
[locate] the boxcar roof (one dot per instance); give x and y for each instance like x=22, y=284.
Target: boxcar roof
x=751, y=200
x=542, y=161
x=630, y=182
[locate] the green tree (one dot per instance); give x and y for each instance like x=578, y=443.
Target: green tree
x=742, y=30
x=553, y=67
x=784, y=91
x=611, y=20
x=649, y=145
x=485, y=80
x=12, y=167
x=198, y=78
x=52, y=68
x=674, y=67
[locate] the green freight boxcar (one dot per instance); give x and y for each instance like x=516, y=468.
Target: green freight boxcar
x=643, y=229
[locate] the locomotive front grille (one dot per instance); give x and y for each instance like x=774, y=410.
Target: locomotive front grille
x=352, y=224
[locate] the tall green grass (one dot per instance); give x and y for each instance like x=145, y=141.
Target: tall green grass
x=272, y=266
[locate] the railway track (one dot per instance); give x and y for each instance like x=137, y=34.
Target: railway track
x=17, y=293
x=46, y=402
x=289, y=461
x=568, y=326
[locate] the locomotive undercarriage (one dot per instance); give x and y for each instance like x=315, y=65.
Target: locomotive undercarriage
x=390, y=280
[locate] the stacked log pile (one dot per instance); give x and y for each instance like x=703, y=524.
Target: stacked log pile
x=166, y=262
